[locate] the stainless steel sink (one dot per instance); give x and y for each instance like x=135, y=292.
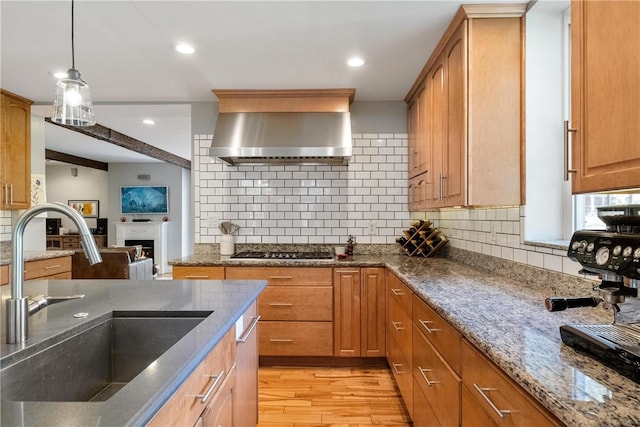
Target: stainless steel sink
x=93, y=365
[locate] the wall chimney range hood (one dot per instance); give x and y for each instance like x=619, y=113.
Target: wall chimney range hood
x=282, y=138
x=283, y=127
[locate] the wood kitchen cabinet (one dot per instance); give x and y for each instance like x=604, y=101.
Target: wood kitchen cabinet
x=359, y=304
x=50, y=268
x=296, y=309
x=56, y=242
x=15, y=151
x=246, y=393
x=490, y=398
x=399, y=349
x=605, y=88
x=209, y=391
x=472, y=115
x=197, y=272
x=4, y=275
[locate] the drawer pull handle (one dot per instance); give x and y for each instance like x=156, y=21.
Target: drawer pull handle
x=424, y=375
x=216, y=380
x=281, y=340
x=243, y=339
x=397, y=292
x=397, y=325
x=280, y=304
x=395, y=368
x=424, y=325
x=501, y=412
x=197, y=277
x=281, y=277
x=49, y=267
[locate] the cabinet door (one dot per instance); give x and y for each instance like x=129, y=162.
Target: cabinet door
x=347, y=304
x=604, y=92
x=247, y=370
x=197, y=272
x=373, y=312
x=454, y=166
x=438, y=134
x=15, y=152
x=412, y=131
x=221, y=412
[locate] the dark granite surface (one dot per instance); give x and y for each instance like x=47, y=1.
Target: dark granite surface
x=141, y=398
x=506, y=319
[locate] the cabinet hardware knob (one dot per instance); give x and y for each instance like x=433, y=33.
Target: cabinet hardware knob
x=501, y=412
x=216, y=380
x=245, y=336
x=423, y=372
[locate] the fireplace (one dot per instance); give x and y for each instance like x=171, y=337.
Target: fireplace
x=151, y=235
x=147, y=246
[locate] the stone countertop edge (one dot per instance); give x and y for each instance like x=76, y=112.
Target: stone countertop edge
x=140, y=399
x=507, y=321
x=5, y=256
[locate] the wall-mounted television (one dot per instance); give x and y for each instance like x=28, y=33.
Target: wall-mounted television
x=144, y=200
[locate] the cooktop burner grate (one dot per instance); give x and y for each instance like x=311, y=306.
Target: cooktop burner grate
x=284, y=255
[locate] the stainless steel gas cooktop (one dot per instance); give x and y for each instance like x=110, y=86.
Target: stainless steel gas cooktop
x=283, y=255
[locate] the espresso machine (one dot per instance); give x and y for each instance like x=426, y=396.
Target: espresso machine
x=614, y=256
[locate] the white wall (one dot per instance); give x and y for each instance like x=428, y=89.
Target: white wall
x=126, y=174
x=90, y=184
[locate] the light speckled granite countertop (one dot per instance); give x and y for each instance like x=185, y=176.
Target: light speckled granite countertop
x=5, y=256
x=507, y=320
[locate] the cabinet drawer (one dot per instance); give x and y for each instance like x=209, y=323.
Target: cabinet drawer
x=438, y=331
x=46, y=267
x=401, y=368
x=295, y=338
x=399, y=327
x=440, y=384
x=296, y=303
x=70, y=240
x=423, y=415
x=294, y=276
x=490, y=391
x=197, y=272
x=399, y=292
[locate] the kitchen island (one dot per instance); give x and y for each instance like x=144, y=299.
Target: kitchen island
x=137, y=402
x=507, y=321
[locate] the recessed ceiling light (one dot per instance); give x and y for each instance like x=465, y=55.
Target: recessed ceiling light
x=148, y=122
x=185, y=48
x=355, y=62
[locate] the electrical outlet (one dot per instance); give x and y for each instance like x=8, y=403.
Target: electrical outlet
x=213, y=222
x=373, y=229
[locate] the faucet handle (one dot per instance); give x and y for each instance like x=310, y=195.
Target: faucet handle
x=39, y=302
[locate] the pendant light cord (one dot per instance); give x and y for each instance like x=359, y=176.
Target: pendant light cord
x=73, y=55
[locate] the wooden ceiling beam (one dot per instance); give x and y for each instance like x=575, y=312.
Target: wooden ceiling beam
x=75, y=160
x=111, y=136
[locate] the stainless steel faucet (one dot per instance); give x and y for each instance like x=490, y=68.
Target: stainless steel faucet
x=18, y=304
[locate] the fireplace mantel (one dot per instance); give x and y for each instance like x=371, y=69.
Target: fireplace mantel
x=156, y=231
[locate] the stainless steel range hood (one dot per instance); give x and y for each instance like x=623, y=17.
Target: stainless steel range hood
x=283, y=138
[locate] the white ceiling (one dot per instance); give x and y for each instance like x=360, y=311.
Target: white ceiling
x=124, y=50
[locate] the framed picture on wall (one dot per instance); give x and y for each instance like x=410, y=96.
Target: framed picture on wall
x=87, y=208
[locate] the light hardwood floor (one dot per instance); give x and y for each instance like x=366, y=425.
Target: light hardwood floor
x=336, y=397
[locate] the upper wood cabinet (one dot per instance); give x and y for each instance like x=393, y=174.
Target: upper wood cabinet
x=605, y=95
x=472, y=115
x=15, y=152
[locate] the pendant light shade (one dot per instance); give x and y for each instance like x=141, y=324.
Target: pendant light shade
x=72, y=105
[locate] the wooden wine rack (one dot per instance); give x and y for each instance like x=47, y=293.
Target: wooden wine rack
x=422, y=239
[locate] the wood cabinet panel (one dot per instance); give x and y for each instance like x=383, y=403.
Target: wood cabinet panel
x=296, y=303
x=73, y=242
x=347, y=303
x=15, y=151
x=246, y=409
x=198, y=272
x=283, y=276
x=295, y=338
x=439, y=383
x=50, y=268
x=423, y=415
x=401, y=368
x=439, y=332
x=373, y=312
x=489, y=390
x=604, y=95
x=4, y=275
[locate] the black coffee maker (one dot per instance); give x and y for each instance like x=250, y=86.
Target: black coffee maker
x=613, y=255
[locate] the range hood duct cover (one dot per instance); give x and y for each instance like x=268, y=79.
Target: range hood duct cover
x=283, y=138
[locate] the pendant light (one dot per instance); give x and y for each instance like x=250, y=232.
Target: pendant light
x=72, y=104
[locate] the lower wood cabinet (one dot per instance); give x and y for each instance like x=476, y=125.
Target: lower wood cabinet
x=4, y=275
x=399, y=349
x=246, y=394
x=197, y=272
x=208, y=391
x=490, y=398
x=50, y=268
x=359, y=305
x=296, y=309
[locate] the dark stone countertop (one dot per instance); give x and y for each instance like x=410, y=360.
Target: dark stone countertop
x=506, y=319
x=137, y=402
